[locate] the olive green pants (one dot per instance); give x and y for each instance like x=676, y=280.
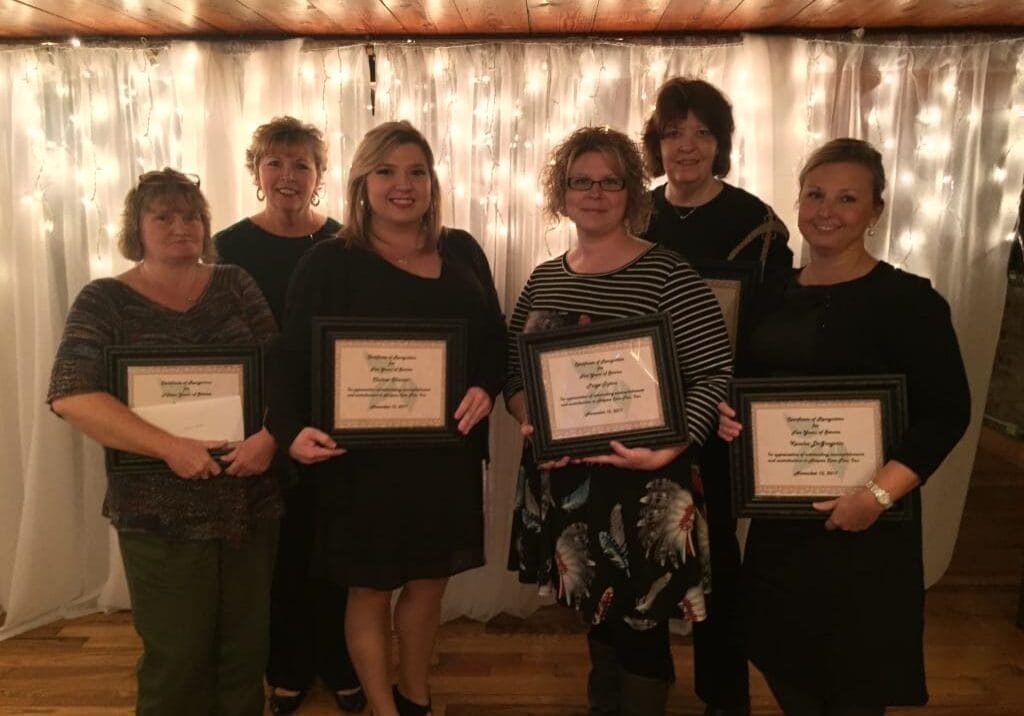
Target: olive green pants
x=202, y=610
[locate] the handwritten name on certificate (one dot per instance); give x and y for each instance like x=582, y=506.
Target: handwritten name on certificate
x=817, y=448
x=602, y=388
x=381, y=383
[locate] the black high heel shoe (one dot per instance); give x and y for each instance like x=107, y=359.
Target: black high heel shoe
x=352, y=703
x=407, y=707
x=282, y=705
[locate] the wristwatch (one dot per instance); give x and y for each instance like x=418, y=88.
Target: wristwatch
x=881, y=496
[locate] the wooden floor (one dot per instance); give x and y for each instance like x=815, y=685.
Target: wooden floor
x=537, y=667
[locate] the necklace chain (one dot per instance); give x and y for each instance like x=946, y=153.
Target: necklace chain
x=684, y=215
x=401, y=258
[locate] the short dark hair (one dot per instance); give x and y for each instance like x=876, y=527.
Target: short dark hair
x=624, y=157
x=855, y=151
x=676, y=99
x=167, y=185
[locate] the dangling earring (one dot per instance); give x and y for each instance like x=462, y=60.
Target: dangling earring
x=315, y=199
x=260, y=196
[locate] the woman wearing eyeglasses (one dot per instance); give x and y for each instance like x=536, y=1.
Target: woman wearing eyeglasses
x=618, y=536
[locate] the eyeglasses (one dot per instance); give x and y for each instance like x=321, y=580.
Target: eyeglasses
x=606, y=184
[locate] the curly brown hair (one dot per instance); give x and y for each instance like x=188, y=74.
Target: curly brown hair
x=676, y=99
x=166, y=185
x=624, y=157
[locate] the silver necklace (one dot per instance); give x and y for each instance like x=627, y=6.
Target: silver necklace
x=684, y=215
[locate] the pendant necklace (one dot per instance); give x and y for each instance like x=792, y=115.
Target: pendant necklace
x=400, y=259
x=684, y=215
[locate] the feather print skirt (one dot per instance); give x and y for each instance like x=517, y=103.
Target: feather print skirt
x=613, y=543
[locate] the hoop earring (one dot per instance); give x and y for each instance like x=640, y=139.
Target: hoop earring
x=260, y=196
x=315, y=199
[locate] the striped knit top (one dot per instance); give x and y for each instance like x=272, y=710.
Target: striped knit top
x=657, y=281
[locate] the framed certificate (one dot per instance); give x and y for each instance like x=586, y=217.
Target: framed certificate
x=388, y=382
x=199, y=392
x=811, y=439
x=733, y=284
x=611, y=380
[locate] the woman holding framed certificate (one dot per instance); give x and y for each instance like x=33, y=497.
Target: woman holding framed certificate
x=834, y=605
x=197, y=534
x=402, y=319
x=723, y=230
x=621, y=536
x=287, y=160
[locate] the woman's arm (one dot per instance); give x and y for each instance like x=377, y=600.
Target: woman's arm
x=109, y=422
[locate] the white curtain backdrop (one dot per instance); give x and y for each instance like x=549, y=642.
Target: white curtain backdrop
x=77, y=125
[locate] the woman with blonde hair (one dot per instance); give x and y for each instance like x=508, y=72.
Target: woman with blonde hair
x=405, y=518
x=287, y=159
x=834, y=602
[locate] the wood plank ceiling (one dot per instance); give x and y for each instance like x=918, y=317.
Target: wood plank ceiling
x=59, y=19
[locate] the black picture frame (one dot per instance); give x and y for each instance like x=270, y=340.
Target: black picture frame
x=534, y=351
x=123, y=361
x=333, y=335
x=734, y=284
x=812, y=448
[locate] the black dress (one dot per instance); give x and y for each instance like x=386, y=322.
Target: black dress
x=307, y=615
x=388, y=516
x=841, y=614
x=734, y=226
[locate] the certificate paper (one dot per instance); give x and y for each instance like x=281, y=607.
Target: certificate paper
x=616, y=379
x=812, y=438
x=203, y=392
x=380, y=383
x=203, y=402
x=815, y=448
x=602, y=388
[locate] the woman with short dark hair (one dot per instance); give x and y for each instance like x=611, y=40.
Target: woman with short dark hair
x=688, y=138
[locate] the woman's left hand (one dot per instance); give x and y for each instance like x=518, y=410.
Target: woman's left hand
x=475, y=406
x=853, y=512
x=252, y=457
x=638, y=458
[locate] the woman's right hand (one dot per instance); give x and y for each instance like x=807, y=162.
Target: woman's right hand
x=311, y=446
x=527, y=430
x=190, y=459
x=728, y=428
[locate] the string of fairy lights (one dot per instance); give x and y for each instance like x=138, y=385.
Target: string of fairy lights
x=87, y=120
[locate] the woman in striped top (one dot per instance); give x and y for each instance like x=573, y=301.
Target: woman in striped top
x=621, y=534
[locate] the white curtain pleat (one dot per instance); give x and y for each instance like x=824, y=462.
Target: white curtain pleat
x=79, y=125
